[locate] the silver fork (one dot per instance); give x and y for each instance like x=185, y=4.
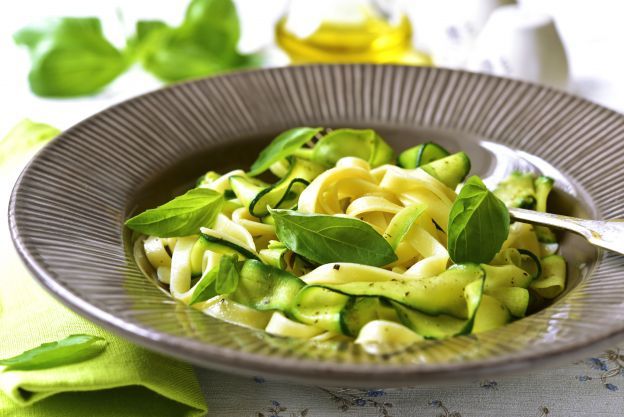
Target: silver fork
x=608, y=234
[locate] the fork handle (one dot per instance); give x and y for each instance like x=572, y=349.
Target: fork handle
x=608, y=234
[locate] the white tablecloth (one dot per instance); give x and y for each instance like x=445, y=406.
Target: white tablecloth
x=591, y=387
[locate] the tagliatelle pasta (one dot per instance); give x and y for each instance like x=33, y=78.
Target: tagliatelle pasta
x=273, y=282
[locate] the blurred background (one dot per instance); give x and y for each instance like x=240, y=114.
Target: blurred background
x=569, y=44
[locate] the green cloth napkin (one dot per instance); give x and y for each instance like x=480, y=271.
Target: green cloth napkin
x=125, y=380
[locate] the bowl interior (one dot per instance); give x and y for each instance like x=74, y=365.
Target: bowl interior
x=491, y=161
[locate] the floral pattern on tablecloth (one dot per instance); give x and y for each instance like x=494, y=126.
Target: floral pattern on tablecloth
x=607, y=369
x=589, y=387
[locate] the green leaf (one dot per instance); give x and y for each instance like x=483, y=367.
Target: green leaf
x=365, y=144
x=145, y=38
x=148, y=28
x=324, y=239
x=182, y=216
x=214, y=23
x=204, y=44
x=74, y=348
x=478, y=224
x=228, y=275
x=284, y=145
x=25, y=136
x=205, y=288
x=70, y=57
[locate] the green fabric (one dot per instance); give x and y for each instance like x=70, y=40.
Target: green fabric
x=125, y=380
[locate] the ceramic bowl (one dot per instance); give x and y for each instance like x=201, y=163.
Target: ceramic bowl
x=68, y=207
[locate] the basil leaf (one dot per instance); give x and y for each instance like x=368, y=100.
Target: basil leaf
x=205, y=288
x=72, y=349
x=365, y=144
x=25, y=136
x=182, y=216
x=478, y=224
x=228, y=275
x=324, y=239
x=147, y=28
x=216, y=21
x=70, y=57
x=205, y=43
x=222, y=279
x=284, y=145
x=146, y=37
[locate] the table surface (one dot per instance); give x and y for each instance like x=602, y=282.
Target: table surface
x=589, y=387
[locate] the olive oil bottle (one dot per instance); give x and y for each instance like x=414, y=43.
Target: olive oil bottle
x=361, y=32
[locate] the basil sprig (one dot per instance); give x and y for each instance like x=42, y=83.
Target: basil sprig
x=205, y=43
x=284, y=145
x=72, y=57
x=324, y=239
x=182, y=216
x=478, y=224
x=72, y=349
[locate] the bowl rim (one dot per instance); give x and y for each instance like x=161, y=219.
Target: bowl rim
x=296, y=369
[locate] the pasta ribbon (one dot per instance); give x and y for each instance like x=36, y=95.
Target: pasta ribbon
x=419, y=295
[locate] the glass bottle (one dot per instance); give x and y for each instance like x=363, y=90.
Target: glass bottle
x=347, y=31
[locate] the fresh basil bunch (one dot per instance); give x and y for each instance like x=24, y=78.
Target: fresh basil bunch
x=72, y=57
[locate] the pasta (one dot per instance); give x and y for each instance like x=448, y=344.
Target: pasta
x=419, y=294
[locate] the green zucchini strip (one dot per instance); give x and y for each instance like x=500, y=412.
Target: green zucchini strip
x=218, y=242
x=259, y=197
x=421, y=154
x=491, y=314
x=264, y=287
x=515, y=299
x=553, y=279
x=443, y=325
x=529, y=258
x=321, y=307
x=441, y=294
x=336, y=312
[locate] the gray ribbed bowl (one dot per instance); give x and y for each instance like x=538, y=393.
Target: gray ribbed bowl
x=67, y=210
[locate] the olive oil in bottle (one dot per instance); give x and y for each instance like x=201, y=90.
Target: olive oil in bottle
x=362, y=33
